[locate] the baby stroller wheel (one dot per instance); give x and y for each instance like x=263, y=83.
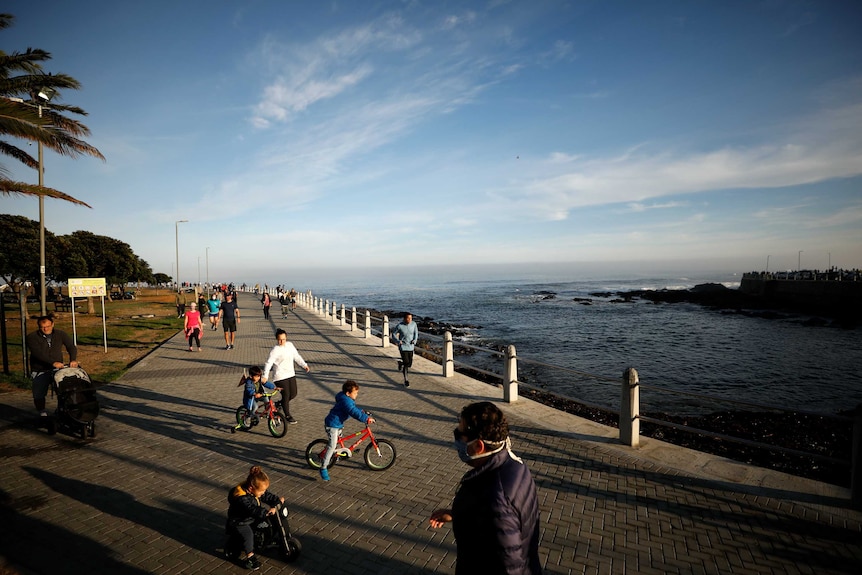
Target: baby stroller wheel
x=294, y=549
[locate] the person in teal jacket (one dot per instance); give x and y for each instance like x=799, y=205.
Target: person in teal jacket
x=406, y=335
x=344, y=409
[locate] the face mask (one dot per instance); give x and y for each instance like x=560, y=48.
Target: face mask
x=461, y=448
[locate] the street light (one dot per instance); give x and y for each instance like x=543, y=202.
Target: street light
x=208, y=271
x=177, y=241
x=767, y=264
x=199, y=272
x=799, y=261
x=43, y=95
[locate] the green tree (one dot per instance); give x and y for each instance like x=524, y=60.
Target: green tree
x=21, y=81
x=162, y=279
x=19, y=256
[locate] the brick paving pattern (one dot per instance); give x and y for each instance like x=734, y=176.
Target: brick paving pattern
x=148, y=493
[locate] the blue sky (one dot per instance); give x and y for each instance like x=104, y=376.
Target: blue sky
x=319, y=134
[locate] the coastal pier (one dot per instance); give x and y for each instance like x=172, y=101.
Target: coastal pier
x=148, y=493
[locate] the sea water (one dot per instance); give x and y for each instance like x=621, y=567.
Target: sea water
x=681, y=346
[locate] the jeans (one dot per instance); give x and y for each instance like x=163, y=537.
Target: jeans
x=334, y=433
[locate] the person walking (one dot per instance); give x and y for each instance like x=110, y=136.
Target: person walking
x=228, y=315
x=406, y=335
x=267, y=303
x=214, y=305
x=46, y=354
x=193, y=326
x=495, y=513
x=280, y=361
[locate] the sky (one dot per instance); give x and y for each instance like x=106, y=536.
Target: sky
x=304, y=135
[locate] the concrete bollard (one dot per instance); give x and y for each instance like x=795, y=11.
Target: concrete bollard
x=343, y=317
x=385, y=336
x=510, y=378
x=334, y=313
x=367, y=324
x=856, y=460
x=353, y=319
x=448, y=355
x=630, y=425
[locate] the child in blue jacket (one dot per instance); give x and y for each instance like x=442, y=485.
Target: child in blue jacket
x=344, y=409
x=253, y=387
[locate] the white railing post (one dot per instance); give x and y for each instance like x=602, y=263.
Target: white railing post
x=856, y=461
x=367, y=324
x=343, y=317
x=353, y=318
x=385, y=335
x=510, y=377
x=448, y=355
x=630, y=423
x=334, y=312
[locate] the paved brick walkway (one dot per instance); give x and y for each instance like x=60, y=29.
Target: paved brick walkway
x=147, y=494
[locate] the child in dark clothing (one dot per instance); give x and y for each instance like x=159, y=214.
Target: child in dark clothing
x=253, y=387
x=250, y=502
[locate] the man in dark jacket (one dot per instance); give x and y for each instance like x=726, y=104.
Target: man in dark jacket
x=495, y=514
x=46, y=354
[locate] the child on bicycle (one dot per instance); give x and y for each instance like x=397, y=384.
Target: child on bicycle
x=344, y=409
x=253, y=387
x=250, y=502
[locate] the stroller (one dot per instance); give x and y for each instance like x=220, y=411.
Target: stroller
x=77, y=405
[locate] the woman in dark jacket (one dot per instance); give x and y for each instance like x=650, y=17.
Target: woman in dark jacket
x=495, y=514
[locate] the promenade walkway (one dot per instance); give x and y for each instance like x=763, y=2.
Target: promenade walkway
x=148, y=493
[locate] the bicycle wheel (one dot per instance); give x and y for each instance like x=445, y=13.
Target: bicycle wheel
x=277, y=425
x=383, y=460
x=314, y=454
x=244, y=418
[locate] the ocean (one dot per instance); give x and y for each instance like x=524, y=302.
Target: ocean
x=686, y=347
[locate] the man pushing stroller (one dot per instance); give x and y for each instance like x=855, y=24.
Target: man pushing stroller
x=46, y=354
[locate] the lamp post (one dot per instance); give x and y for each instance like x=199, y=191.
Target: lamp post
x=799, y=261
x=767, y=264
x=177, y=241
x=42, y=95
x=208, y=271
x=199, y=273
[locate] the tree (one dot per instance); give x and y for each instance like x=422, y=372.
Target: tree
x=19, y=258
x=21, y=118
x=162, y=279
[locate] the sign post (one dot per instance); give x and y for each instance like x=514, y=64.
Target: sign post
x=88, y=287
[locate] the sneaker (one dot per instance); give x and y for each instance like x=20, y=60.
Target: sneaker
x=291, y=421
x=227, y=347
x=324, y=474
x=230, y=346
x=251, y=563
x=406, y=383
x=400, y=365
x=43, y=413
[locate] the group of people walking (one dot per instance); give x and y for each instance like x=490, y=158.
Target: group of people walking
x=495, y=511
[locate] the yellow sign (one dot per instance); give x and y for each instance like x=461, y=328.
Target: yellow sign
x=87, y=287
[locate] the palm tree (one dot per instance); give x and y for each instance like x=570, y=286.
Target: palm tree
x=26, y=119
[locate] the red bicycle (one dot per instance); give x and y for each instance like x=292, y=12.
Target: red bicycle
x=379, y=454
x=271, y=410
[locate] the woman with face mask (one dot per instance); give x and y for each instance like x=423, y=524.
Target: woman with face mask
x=495, y=513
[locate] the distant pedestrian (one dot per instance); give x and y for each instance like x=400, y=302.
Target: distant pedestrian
x=202, y=306
x=193, y=327
x=214, y=305
x=267, y=303
x=280, y=361
x=228, y=315
x=46, y=354
x=495, y=513
x=344, y=409
x=406, y=334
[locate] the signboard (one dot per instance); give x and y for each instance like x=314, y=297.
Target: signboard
x=87, y=287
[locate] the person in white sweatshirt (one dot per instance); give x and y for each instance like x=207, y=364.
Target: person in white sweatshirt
x=281, y=358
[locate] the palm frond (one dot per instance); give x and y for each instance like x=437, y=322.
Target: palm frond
x=9, y=188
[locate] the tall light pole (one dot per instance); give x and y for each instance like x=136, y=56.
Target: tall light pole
x=177, y=241
x=799, y=261
x=199, y=272
x=208, y=271
x=42, y=95
x=767, y=264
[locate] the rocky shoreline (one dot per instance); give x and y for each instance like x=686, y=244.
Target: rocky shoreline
x=819, y=435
